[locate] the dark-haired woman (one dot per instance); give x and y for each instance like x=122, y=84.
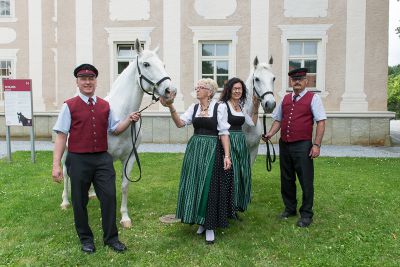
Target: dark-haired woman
x=235, y=95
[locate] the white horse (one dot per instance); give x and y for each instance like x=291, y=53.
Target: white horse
x=146, y=73
x=261, y=84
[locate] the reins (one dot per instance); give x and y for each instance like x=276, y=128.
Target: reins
x=134, y=135
x=268, y=158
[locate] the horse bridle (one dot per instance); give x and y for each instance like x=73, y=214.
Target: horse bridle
x=260, y=97
x=154, y=85
x=269, y=159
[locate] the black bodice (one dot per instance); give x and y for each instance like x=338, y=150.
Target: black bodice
x=236, y=122
x=205, y=125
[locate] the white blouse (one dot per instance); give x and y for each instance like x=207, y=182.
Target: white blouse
x=222, y=116
x=247, y=119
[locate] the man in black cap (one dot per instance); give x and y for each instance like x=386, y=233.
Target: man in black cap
x=86, y=119
x=295, y=117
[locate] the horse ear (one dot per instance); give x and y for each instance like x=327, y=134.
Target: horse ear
x=255, y=63
x=138, y=47
x=156, y=49
x=271, y=61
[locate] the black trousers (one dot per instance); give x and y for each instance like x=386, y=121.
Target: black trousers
x=96, y=168
x=294, y=159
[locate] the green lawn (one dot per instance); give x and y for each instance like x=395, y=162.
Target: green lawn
x=356, y=219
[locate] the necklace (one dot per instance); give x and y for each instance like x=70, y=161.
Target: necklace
x=236, y=107
x=203, y=110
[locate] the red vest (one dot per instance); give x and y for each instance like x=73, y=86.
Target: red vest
x=89, y=124
x=297, y=118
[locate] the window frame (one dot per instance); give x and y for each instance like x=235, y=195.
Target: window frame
x=305, y=32
x=203, y=34
x=123, y=59
x=215, y=58
x=11, y=17
x=124, y=35
x=302, y=57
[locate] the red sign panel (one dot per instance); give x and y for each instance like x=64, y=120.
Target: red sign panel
x=16, y=85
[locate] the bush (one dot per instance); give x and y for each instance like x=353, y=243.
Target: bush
x=393, y=103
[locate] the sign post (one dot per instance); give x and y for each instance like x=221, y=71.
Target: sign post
x=18, y=109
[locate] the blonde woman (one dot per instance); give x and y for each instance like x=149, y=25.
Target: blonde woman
x=205, y=194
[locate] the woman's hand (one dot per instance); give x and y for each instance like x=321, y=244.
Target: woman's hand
x=167, y=101
x=227, y=163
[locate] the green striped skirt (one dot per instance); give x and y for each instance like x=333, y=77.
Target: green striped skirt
x=241, y=169
x=194, y=185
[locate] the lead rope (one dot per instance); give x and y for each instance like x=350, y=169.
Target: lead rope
x=134, y=137
x=268, y=159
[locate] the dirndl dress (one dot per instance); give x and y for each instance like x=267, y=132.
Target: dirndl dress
x=205, y=195
x=240, y=156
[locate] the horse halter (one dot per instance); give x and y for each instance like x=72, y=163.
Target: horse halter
x=153, y=84
x=260, y=97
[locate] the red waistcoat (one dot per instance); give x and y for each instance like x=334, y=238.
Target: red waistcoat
x=89, y=124
x=297, y=118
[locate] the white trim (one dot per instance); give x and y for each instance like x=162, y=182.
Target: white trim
x=214, y=33
x=36, y=53
x=305, y=32
x=55, y=58
x=259, y=31
x=84, y=31
x=125, y=34
x=354, y=97
x=172, y=39
x=12, y=17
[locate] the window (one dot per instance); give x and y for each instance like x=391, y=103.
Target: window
x=214, y=52
x=121, y=44
x=304, y=54
x=125, y=54
x=5, y=73
x=214, y=60
x=5, y=9
x=304, y=45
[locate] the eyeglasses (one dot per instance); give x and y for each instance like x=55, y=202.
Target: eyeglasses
x=200, y=87
x=237, y=89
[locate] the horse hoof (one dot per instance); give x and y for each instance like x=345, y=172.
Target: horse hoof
x=126, y=224
x=64, y=206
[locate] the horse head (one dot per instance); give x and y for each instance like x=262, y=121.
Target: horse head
x=263, y=84
x=153, y=78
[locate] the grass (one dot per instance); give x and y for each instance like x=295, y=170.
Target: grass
x=356, y=219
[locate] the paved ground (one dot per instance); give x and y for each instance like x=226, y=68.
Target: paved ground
x=326, y=150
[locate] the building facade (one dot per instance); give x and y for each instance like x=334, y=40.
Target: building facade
x=343, y=43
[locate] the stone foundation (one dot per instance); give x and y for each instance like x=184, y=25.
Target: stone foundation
x=367, y=128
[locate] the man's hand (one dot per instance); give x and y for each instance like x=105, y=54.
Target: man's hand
x=134, y=116
x=266, y=137
x=57, y=173
x=314, y=152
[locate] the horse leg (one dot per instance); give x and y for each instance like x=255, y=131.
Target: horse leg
x=65, y=202
x=125, y=220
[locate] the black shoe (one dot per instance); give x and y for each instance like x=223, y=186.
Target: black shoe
x=284, y=215
x=88, y=248
x=117, y=246
x=304, y=222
